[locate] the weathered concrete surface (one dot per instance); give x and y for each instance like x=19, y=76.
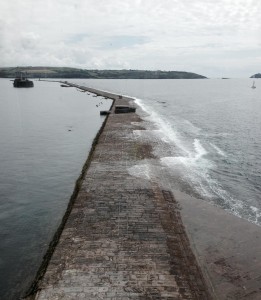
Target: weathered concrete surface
x=124, y=238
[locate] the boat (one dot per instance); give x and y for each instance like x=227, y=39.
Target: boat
x=253, y=86
x=21, y=80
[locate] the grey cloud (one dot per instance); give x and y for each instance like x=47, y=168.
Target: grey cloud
x=29, y=40
x=150, y=34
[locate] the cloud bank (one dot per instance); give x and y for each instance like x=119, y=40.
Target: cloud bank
x=213, y=38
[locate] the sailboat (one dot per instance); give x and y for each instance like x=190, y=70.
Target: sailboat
x=253, y=86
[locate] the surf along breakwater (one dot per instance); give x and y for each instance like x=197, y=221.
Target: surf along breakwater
x=122, y=236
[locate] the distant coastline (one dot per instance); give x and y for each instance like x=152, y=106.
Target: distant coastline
x=258, y=75
x=63, y=72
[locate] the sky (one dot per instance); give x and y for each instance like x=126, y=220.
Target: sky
x=214, y=38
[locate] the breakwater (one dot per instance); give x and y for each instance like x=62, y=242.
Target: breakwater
x=122, y=236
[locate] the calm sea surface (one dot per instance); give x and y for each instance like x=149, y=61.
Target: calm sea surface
x=214, y=129
x=45, y=135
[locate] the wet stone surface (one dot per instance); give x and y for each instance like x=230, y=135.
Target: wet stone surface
x=124, y=238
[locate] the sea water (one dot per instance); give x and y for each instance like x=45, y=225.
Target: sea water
x=46, y=133
x=213, y=128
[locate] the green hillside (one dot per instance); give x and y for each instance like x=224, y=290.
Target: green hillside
x=58, y=72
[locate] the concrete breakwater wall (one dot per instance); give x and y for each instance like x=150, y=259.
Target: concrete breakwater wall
x=99, y=92
x=122, y=236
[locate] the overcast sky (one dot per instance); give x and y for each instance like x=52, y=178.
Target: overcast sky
x=215, y=38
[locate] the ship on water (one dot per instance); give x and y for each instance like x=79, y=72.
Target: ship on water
x=21, y=80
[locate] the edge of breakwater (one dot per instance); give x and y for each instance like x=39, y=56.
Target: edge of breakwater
x=46, y=258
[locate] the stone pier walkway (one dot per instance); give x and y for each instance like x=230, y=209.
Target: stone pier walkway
x=124, y=238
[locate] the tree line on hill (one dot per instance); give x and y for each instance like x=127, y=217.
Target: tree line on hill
x=59, y=72
x=258, y=75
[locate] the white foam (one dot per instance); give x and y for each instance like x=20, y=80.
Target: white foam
x=194, y=166
x=257, y=213
x=218, y=150
x=254, y=209
x=200, y=150
x=177, y=160
x=192, y=159
x=137, y=132
x=165, y=130
x=141, y=171
x=192, y=127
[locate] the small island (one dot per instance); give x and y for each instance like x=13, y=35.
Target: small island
x=258, y=75
x=60, y=72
